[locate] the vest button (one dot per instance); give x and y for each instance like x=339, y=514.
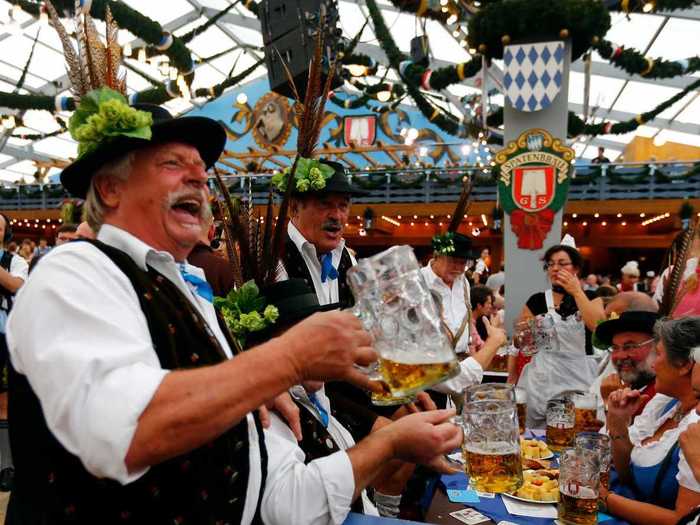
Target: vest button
x=234, y=477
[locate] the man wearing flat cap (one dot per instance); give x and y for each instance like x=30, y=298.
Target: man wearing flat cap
x=127, y=404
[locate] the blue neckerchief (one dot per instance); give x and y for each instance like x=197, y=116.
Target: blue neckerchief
x=322, y=411
x=327, y=270
x=197, y=284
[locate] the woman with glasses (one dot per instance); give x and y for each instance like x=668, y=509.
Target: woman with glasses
x=656, y=484
x=564, y=315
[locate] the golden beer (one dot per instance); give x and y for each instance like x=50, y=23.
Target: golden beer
x=522, y=416
x=499, y=363
x=494, y=472
x=559, y=438
x=605, y=479
x=405, y=379
x=587, y=420
x=581, y=509
x=386, y=398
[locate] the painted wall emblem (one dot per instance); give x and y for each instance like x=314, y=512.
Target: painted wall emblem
x=533, y=182
x=272, y=120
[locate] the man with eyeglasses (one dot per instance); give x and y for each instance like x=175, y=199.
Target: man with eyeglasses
x=630, y=340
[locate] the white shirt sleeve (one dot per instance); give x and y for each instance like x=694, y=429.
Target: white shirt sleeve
x=470, y=374
x=19, y=267
x=685, y=475
x=321, y=491
x=87, y=354
x=646, y=423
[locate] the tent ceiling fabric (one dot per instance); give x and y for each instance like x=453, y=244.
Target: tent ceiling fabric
x=236, y=37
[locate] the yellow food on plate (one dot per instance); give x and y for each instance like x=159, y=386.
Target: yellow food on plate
x=540, y=485
x=534, y=449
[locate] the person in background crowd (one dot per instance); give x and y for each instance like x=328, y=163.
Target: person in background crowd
x=569, y=315
x=85, y=231
x=12, y=247
x=498, y=279
x=482, y=303
x=218, y=271
x=25, y=250
x=606, y=293
x=656, y=485
x=43, y=248
x=601, y=158
x=482, y=268
x=591, y=283
x=630, y=277
x=629, y=337
x=64, y=234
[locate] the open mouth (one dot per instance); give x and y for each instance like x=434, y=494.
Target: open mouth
x=332, y=229
x=190, y=207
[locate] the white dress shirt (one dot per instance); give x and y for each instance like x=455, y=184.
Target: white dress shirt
x=327, y=292
x=78, y=333
x=18, y=268
x=323, y=483
x=454, y=311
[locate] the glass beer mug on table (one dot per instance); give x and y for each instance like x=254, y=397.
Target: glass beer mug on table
x=561, y=420
x=521, y=407
x=495, y=391
x=586, y=406
x=600, y=444
x=578, y=487
x=414, y=352
x=491, y=446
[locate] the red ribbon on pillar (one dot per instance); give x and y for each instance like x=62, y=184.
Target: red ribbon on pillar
x=531, y=229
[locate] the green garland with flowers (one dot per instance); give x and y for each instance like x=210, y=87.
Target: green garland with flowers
x=310, y=175
x=245, y=311
x=444, y=244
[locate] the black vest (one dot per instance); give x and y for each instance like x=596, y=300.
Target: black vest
x=296, y=269
x=206, y=486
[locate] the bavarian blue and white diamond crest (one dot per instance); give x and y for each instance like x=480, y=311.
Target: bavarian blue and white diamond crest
x=533, y=74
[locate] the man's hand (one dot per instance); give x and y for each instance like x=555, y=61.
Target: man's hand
x=288, y=409
x=496, y=334
x=422, y=403
x=421, y=438
x=609, y=385
x=690, y=445
x=328, y=345
x=623, y=404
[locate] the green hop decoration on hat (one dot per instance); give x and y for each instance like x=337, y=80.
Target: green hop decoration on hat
x=310, y=175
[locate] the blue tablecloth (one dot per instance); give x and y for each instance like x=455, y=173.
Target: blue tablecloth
x=495, y=509
x=361, y=519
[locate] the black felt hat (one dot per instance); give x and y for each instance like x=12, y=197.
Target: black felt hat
x=205, y=134
x=337, y=183
x=630, y=321
x=460, y=246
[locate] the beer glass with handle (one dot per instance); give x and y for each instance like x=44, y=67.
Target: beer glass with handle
x=561, y=420
x=579, y=476
x=586, y=406
x=497, y=391
x=492, y=445
x=600, y=444
x=414, y=352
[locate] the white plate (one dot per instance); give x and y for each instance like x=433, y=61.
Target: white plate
x=529, y=500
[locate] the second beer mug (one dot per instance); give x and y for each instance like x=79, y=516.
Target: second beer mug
x=600, y=444
x=578, y=487
x=492, y=446
x=586, y=405
x=496, y=391
x=561, y=419
x=413, y=349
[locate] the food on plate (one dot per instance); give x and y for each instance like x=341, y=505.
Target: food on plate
x=535, y=464
x=534, y=449
x=540, y=485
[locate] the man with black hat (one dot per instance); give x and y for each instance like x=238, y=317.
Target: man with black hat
x=445, y=275
x=630, y=339
x=126, y=404
x=315, y=250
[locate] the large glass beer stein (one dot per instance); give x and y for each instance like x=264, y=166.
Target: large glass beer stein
x=496, y=391
x=586, y=405
x=561, y=420
x=578, y=487
x=600, y=444
x=492, y=445
x=414, y=352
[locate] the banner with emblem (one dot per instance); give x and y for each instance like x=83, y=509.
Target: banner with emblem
x=360, y=130
x=533, y=74
x=533, y=182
